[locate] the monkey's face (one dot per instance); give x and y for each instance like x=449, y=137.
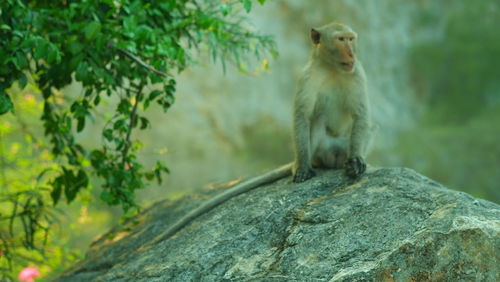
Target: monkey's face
x=344, y=44
x=337, y=46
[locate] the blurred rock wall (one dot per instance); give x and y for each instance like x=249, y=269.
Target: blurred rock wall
x=223, y=126
x=227, y=125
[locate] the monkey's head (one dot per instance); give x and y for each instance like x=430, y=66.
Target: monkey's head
x=335, y=44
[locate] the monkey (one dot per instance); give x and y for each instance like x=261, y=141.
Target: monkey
x=331, y=121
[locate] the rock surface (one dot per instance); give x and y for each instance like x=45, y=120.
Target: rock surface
x=391, y=225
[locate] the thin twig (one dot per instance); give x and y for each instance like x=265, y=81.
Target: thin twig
x=142, y=63
x=133, y=114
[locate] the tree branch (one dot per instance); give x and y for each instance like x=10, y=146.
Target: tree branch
x=133, y=114
x=142, y=63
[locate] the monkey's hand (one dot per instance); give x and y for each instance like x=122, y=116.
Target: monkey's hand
x=302, y=175
x=355, y=167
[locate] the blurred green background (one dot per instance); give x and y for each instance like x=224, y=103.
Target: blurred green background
x=434, y=83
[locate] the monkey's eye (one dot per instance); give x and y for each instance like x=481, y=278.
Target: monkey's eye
x=351, y=39
x=341, y=38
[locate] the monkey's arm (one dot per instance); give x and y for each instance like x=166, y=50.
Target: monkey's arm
x=301, y=136
x=356, y=165
x=240, y=188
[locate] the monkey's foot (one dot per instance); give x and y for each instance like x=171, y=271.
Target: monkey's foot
x=302, y=175
x=355, y=167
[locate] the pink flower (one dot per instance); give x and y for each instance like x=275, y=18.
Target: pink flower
x=28, y=274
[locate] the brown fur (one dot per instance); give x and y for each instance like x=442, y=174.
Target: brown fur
x=331, y=113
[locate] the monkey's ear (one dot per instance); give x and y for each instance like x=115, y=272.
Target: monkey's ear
x=315, y=36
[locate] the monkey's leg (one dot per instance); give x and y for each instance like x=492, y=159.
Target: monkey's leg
x=356, y=166
x=332, y=153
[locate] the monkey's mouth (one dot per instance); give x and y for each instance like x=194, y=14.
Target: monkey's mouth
x=347, y=65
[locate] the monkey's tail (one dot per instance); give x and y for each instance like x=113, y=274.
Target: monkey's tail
x=239, y=188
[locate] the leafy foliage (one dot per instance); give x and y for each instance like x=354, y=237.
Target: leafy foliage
x=27, y=217
x=116, y=51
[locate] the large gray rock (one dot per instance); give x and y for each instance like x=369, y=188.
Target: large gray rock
x=391, y=225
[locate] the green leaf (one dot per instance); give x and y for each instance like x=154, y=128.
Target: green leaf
x=149, y=175
x=5, y=27
x=225, y=8
x=130, y=24
x=53, y=54
x=70, y=192
x=75, y=61
x=21, y=61
x=119, y=124
x=124, y=106
x=92, y=30
x=41, y=49
x=80, y=124
x=82, y=179
x=71, y=186
x=88, y=92
x=158, y=170
x=75, y=47
x=98, y=159
x=97, y=100
x=144, y=122
x=82, y=72
x=106, y=197
x=79, y=109
x=30, y=42
x=5, y=103
x=247, y=4
x=55, y=194
x=108, y=134
x=261, y=1
x=154, y=94
x=23, y=80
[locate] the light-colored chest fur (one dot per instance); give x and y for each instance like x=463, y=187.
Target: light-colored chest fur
x=335, y=97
